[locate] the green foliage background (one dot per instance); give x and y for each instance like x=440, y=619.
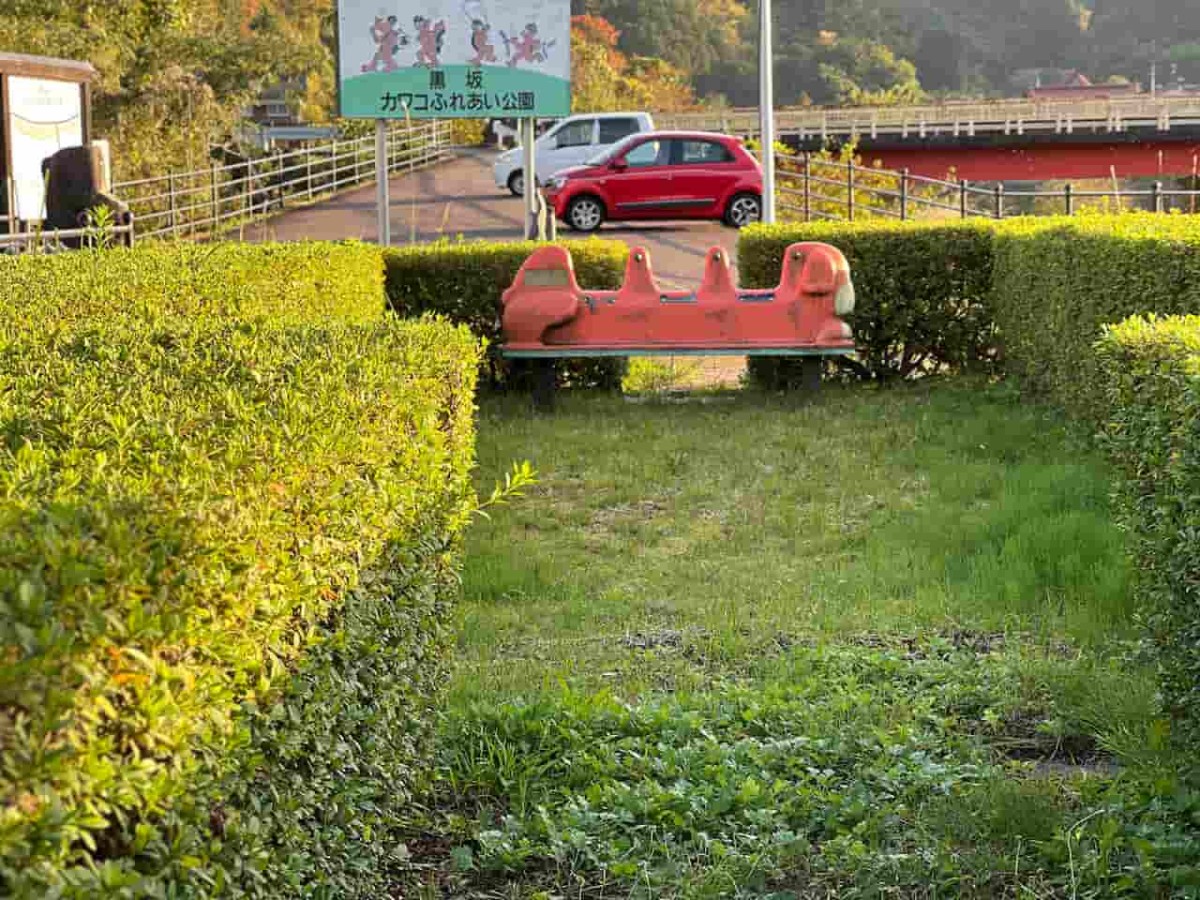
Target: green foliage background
x=176, y=75
x=892, y=51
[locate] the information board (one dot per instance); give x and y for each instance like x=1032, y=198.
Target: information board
x=446, y=59
x=45, y=116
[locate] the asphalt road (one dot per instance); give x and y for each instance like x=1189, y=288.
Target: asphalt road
x=459, y=199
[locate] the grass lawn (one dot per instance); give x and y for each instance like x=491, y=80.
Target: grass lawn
x=880, y=644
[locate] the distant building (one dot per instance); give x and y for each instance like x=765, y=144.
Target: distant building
x=273, y=106
x=1074, y=85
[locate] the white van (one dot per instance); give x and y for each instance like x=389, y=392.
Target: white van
x=570, y=142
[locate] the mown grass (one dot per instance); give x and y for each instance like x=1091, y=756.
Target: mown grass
x=737, y=645
x=746, y=519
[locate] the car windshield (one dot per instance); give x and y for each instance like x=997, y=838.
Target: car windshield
x=609, y=153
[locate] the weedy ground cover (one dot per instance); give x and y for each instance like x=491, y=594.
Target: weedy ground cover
x=735, y=646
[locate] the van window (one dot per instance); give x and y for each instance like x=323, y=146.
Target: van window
x=690, y=153
x=575, y=134
x=612, y=130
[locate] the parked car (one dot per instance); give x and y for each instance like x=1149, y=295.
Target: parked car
x=661, y=175
x=569, y=143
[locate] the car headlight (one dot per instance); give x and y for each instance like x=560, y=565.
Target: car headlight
x=557, y=183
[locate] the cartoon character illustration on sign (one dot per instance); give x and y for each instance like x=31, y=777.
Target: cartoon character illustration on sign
x=481, y=33
x=481, y=43
x=528, y=48
x=430, y=36
x=388, y=38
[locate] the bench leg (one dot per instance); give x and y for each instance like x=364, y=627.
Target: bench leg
x=810, y=374
x=545, y=384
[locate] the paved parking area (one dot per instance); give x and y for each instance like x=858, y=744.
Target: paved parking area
x=459, y=199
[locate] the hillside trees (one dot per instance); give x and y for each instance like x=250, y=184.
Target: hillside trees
x=604, y=78
x=1125, y=35
x=692, y=35
x=962, y=44
x=838, y=51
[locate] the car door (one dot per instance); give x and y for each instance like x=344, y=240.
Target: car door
x=568, y=145
x=639, y=182
x=703, y=172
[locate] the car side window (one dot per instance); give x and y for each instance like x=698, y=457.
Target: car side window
x=612, y=130
x=645, y=154
x=576, y=134
x=693, y=153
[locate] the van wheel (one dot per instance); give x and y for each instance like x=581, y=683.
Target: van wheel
x=743, y=210
x=585, y=213
x=516, y=183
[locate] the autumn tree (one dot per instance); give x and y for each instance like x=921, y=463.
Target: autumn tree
x=604, y=79
x=692, y=35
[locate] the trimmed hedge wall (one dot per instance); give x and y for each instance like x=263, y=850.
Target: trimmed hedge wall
x=922, y=291
x=464, y=282
x=1151, y=372
x=231, y=524
x=1059, y=281
x=286, y=283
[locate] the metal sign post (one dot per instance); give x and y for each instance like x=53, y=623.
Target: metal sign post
x=456, y=59
x=766, y=108
x=528, y=141
x=382, y=199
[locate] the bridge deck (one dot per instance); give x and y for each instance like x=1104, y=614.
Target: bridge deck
x=1160, y=113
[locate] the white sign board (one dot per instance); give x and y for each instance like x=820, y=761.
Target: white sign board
x=46, y=116
x=441, y=59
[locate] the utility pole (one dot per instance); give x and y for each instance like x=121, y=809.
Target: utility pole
x=1153, y=68
x=383, y=204
x=766, y=108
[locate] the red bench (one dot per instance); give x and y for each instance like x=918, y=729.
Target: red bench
x=547, y=315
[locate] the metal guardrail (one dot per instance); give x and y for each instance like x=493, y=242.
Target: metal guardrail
x=214, y=201
x=811, y=188
x=1044, y=116
x=57, y=240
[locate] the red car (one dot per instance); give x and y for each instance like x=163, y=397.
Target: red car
x=661, y=175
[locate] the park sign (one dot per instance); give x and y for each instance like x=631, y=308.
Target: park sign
x=446, y=59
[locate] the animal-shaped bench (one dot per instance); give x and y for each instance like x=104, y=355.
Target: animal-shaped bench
x=547, y=315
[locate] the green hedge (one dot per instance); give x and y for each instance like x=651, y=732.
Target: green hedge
x=1059, y=281
x=465, y=281
x=922, y=290
x=286, y=283
x=230, y=540
x=1151, y=371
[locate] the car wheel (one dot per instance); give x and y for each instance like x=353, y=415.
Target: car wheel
x=585, y=213
x=743, y=210
x=516, y=183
